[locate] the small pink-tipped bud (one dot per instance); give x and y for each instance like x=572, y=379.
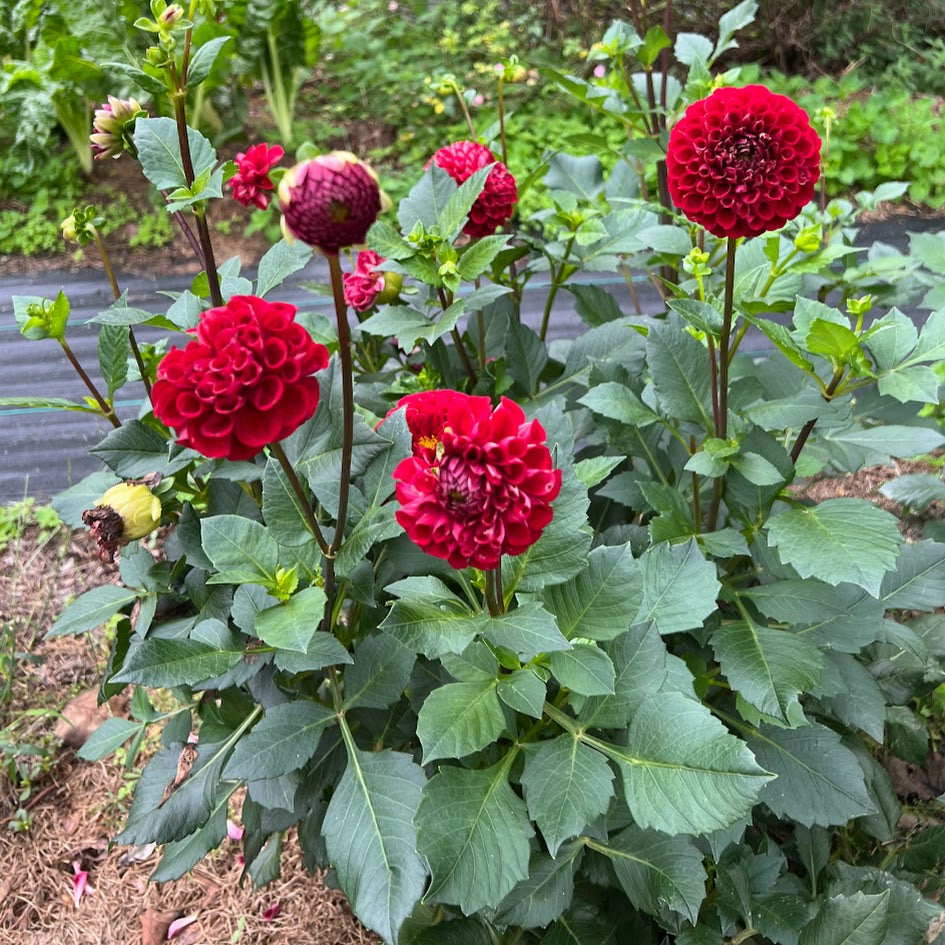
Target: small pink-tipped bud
x=330, y=201
x=171, y=16
x=112, y=126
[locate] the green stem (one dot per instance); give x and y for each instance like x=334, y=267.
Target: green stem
x=558, y=278
x=505, y=153
x=301, y=494
x=462, y=105
x=279, y=101
x=446, y=301
x=721, y=408
x=724, y=339
x=494, y=597
x=107, y=410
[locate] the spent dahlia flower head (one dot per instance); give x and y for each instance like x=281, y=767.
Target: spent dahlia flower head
x=112, y=125
x=251, y=180
x=494, y=206
x=367, y=286
x=330, y=201
x=742, y=161
x=126, y=512
x=484, y=490
x=243, y=382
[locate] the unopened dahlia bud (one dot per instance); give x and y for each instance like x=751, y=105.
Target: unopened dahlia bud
x=330, y=201
x=68, y=229
x=112, y=126
x=171, y=16
x=808, y=240
x=124, y=513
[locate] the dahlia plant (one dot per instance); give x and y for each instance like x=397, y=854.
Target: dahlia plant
x=528, y=641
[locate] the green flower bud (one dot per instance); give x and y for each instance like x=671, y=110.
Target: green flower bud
x=809, y=239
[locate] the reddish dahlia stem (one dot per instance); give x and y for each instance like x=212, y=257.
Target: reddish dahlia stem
x=494, y=595
x=721, y=409
x=809, y=426
x=347, y=398
x=203, y=231
x=505, y=153
x=113, y=282
x=107, y=410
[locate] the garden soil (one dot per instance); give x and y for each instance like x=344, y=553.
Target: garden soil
x=75, y=807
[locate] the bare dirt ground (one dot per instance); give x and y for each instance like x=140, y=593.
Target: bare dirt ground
x=74, y=808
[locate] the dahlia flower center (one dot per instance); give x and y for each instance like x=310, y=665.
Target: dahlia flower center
x=747, y=152
x=427, y=441
x=461, y=488
x=339, y=211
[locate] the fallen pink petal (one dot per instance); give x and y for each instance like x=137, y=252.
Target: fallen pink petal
x=271, y=912
x=179, y=924
x=234, y=831
x=80, y=882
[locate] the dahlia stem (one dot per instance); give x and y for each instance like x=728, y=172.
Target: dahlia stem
x=178, y=96
x=304, y=500
x=558, y=278
x=724, y=339
x=107, y=410
x=494, y=599
x=113, y=282
x=721, y=413
x=457, y=340
x=809, y=426
x=714, y=385
x=347, y=399
x=465, y=110
x=505, y=153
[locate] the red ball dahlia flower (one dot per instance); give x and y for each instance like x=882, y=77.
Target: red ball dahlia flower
x=366, y=286
x=498, y=198
x=742, y=161
x=486, y=488
x=330, y=201
x=244, y=381
x=252, y=177
x=426, y=413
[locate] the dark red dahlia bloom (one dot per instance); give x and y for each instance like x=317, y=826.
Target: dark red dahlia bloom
x=485, y=491
x=252, y=176
x=498, y=198
x=244, y=381
x=742, y=161
x=365, y=284
x=330, y=201
x=426, y=413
